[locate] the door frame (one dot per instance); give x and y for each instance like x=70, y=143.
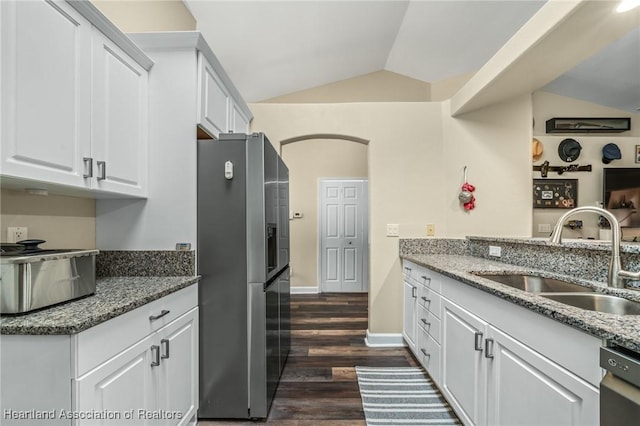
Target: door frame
x=365, y=260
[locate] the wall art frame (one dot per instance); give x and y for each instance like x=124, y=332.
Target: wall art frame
x=555, y=193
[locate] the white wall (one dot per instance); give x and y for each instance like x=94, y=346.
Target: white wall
x=63, y=222
x=416, y=155
x=310, y=160
x=495, y=145
x=147, y=15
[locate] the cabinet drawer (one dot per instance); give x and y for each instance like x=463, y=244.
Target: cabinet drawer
x=408, y=270
x=429, y=355
x=430, y=300
x=429, y=279
x=429, y=323
x=105, y=340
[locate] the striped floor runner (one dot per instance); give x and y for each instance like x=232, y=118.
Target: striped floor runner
x=402, y=396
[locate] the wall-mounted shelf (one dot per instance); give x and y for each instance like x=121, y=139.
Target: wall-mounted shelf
x=588, y=125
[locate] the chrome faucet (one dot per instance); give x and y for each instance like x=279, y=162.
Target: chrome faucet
x=616, y=275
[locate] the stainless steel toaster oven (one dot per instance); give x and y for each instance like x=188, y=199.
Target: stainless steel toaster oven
x=36, y=278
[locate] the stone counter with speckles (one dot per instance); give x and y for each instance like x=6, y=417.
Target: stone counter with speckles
x=463, y=266
x=114, y=296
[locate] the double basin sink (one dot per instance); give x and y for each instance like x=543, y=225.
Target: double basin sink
x=568, y=293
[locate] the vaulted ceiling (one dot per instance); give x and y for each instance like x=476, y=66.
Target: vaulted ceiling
x=272, y=48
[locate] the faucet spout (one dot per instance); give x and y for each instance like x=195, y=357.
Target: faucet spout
x=615, y=276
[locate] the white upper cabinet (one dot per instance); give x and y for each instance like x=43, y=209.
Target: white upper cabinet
x=45, y=91
x=74, y=104
x=221, y=108
x=119, y=126
x=238, y=120
x=213, y=99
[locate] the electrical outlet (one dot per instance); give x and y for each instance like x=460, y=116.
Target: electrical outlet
x=15, y=234
x=393, y=230
x=431, y=230
x=495, y=251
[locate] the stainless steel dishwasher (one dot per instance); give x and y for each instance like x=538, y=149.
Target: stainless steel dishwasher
x=620, y=387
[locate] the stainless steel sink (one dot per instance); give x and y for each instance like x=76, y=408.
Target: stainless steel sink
x=597, y=302
x=535, y=284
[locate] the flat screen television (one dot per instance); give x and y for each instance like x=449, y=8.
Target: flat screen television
x=621, y=196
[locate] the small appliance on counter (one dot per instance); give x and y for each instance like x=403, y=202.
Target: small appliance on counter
x=34, y=278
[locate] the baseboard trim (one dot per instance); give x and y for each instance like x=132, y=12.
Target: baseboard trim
x=305, y=290
x=384, y=340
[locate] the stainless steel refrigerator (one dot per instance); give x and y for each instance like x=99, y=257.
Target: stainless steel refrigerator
x=243, y=261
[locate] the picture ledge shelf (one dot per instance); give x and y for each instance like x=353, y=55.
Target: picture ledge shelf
x=588, y=125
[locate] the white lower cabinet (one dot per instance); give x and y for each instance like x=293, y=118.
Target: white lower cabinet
x=124, y=386
x=497, y=363
x=525, y=388
x=139, y=368
x=150, y=383
x=410, y=301
x=464, y=370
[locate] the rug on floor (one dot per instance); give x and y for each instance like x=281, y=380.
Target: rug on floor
x=402, y=396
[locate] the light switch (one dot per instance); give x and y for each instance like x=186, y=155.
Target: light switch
x=393, y=230
x=544, y=227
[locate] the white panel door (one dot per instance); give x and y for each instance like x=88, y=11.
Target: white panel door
x=119, y=120
x=45, y=91
x=343, y=235
x=525, y=388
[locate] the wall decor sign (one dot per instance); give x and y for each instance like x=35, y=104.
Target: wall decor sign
x=555, y=193
x=637, y=153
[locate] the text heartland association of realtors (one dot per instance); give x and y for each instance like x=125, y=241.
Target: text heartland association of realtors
x=139, y=414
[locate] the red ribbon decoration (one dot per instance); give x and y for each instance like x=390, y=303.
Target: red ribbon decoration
x=471, y=204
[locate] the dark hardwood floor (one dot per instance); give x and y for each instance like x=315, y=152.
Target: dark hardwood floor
x=319, y=384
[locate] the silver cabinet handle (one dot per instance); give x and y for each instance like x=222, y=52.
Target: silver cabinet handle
x=88, y=167
x=165, y=345
x=425, y=299
x=478, y=341
x=406, y=268
x=102, y=166
x=162, y=313
x=424, y=352
x=413, y=292
x=155, y=352
x=424, y=321
x=488, y=348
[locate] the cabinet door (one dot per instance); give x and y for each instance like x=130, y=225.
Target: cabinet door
x=525, y=388
x=45, y=82
x=119, y=130
x=239, y=123
x=178, y=382
x=213, y=100
x=126, y=383
x=463, y=364
x=409, y=314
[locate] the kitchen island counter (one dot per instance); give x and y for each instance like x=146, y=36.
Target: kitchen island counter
x=114, y=296
x=621, y=329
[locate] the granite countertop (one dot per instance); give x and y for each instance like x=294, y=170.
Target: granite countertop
x=114, y=296
x=620, y=329
x=601, y=245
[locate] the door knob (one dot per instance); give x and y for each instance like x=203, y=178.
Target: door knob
x=349, y=242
